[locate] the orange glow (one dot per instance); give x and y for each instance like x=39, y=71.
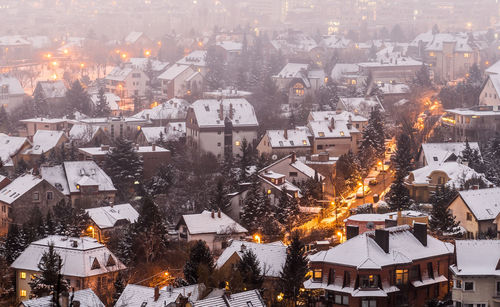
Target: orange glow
x=200, y=44
x=166, y=274
x=147, y=52
x=48, y=55
x=65, y=51
x=256, y=238
x=82, y=65
x=124, y=55
x=159, y=43
x=54, y=63
x=54, y=76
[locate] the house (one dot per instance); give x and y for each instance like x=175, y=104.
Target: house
x=32, y=125
x=393, y=92
x=215, y=228
x=4, y=181
x=197, y=60
x=397, y=266
x=371, y=221
x=346, y=74
x=476, y=273
x=362, y=106
x=138, y=44
x=476, y=210
x=392, y=70
x=112, y=100
x=22, y=195
x=126, y=82
x=108, y=219
x=13, y=48
x=220, y=127
x=83, y=182
x=438, y=153
x=54, y=92
x=152, y=157
x=241, y=299
x=423, y=181
x=230, y=50
x=157, y=67
x=490, y=94
x=87, y=264
x=83, y=134
x=44, y=142
x=180, y=81
x=274, y=183
x=293, y=169
x=11, y=148
x=171, y=132
x=478, y=123
x=118, y=127
x=284, y=142
x=11, y=92
x=173, y=110
x=85, y=298
x=136, y=295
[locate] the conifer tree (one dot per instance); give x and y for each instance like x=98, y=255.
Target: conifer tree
x=4, y=120
x=125, y=247
x=14, y=244
x=215, y=64
x=399, y=196
x=72, y=152
x=50, y=280
x=473, y=157
x=254, y=206
x=137, y=104
x=373, y=142
x=50, y=227
x=119, y=286
x=101, y=108
x=402, y=157
x=77, y=99
x=249, y=268
x=163, y=180
x=422, y=77
x=219, y=199
x=287, y=210
x=199, y=256
x=492, y=160
x=442, y=219
x=294, y=271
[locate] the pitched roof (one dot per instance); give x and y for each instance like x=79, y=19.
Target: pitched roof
x=142, y=64
x=13, y=40
x=56, y=177
x=10, y=146
x=107, y=217
x=341, y=69
x=271, y=256
x=171, y=132
x=111, y=99
x=86, y=297
x=173, y=71
x=477, y=258
x=119, y=73
x=484, y=203
x=456, y=172
x=360, y=105
x=493, y=69
x=207, y=112
x=230, y=45
x=83, y=132
x=132, y=37
x=205, y=223
x=18, y=187
x=295, y=138
x=75, y=171
x=337, y=115
x=437, y=153
x=78, y=255
x=404, y=248
x=173, y=109
x=324, y=129
x=242, y=299
x=292, y=70
x=136, y=295
x=52, y=89
x=44, y=141
x=11, y=85
x=196, y=58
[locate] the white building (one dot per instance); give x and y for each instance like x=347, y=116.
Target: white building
x=126, y=82
x=180, y=80
x=11, y=92
x=109, y=218
x=220, y=127
x=438, y=153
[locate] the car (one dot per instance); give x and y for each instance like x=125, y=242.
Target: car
x=373, y=182
x=359, y=193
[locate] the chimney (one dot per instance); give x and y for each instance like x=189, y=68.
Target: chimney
x=420, y=232
x=153, y=147
x=219, y=214
x=285, y=134
x=213, y=214
x=351, y=231
x=332, y=123
x=475, y=187
x=382, y=239
x=399, y=214
x=221, y=111
x=231, y=111
x=338, y=111
x=157, y=293
x=294, y=157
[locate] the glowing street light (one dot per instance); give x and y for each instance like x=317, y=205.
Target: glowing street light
x=54, y=77
x=65, y=51
x=124, y=55
x=147, y=53
x=256, y=238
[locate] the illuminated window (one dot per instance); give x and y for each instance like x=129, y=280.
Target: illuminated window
x=321, y=134
x=269, y=191
x=402, y=277
x=466, y=55
x=304, y=142
x=368, y=281
x=22, y=293
x=298, y=89
x=138, y=128
x=237, y=143
x=317, y=274
x=353, y=82
x=342, y=133
x=432, y=53
x=23, y=275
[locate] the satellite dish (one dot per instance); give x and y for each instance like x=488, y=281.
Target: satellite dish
x=274, y=157
x=370, y=225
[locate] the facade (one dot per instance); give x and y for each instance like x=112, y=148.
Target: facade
x=118, y=127
x=476, y=274
x=180, y=81
x=438, y=153
x=173, y=110
x=476, y=210
x=126, y=82
x=215, y=228
x=54, y=92
x=11, y=93
x=106, y=220
x=284, y=142
x=11, y=148
x=32, y=125
x=478, y=123
x=274, y=183
x=220, y=127
x=197, y=60
x=87, y=264
x=396, y=266
x=44, y=142
x=393, y=70
x=490, y=93
x=171, y=132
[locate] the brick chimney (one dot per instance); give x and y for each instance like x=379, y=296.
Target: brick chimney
x=213, y=214
x=351, y=231
x=382, y=239
x=294, y=157
x=420, y=232
x=219, y=214
x=285, y=134
x=157, y=293
x=221, y=111
x=153, y=147
x=332, y=124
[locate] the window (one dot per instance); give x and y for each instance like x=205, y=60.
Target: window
x=341, y=299
x=347, y=279
x=237, y=143
x=136, y=75
x=22, y=293
x=432, y=53
x=469, y=286
x=466, y=55
x=357, y=125
x=50, y=195
x=78, y=284
x=317, y=274
x=368, y=303
x=219, y=144
x=291, y=143
x=321, y=134
x=331, y=276
x=95, y=264
x=458, y=284
x=402, y=277
x=498, y=288
x=249, y=304
x=4, y=208
x=219, y=132
x=415, y=272
x=293, y=174
x=298, y=89
x=281, y=143
x=320, y=146
x=36, y=196
x=430, y=270
x=469, y=216
x=368, y=281
x=304, y=142
x=22, y=275
x=458, y=304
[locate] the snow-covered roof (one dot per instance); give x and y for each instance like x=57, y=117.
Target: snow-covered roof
x=108, y=216
x=10, y=146
x=39, y=41
x=292, y=70
x=473, y=111
x=360, y=105
x=132, y=37
x=493, y=69
x=142, y=64
x=393, y=61
x=13, y=40
x=173, y=71
x=437, y=153
x=83, y=132
x=456, y=172
x=404, y=248
x=42, y=120
x=100, y=151
x=227, y=93
x=367, y=217
x=230, y=46
x=10, y=85
x=483, y=203
x=324, y=129
x=461, y=40
x=174, y=109
x=112, y=99
x=205, y=223
x=86, y=173
x=136, y=295
x=86, y=298
x=271, y=256
x=192, y=292
x=56, y=177
x=239, y=111
x=389, y=88
x=341, y=69
x=80, y=256
x=477, y=258
x=495, y=81
x=335, y=42
x=52, y=89
x=241, y=299
x=44, y=141
x=294, y=138
x=119, y=73
x=18, y=187
x=196, y=58
x=171, y=132
x=337, y=115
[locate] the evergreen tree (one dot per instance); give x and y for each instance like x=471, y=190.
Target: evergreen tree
x=119, y=286
x=348, y=173
x=492, y=160
x=246, y=157
x=72, y=152
x=294, y=271
x=34, y=227
x=287, y=210
x=14, y=244
x=4, y=120
x=373, y=142
x=126, y=247
x=42, y=159
x=137, y=104
x=402, y=157
x=162, y=181
x=50, y=280
x=215, y=64
x=397, y=34
x=77, y=99
x=200, y=257
x=442, y=219
x=124, y=166
x=475, y=77
x=40, y=105
x=473, y=157
x=399, y=196
x=101, y=109
x=219, y=199
x=70, y=221
x=50, y=227
x=254, y=206
x=249, y=268
x=422, y=77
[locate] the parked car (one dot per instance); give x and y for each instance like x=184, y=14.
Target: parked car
x=373, y=182
x=359, y=193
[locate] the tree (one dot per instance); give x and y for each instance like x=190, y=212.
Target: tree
x=435, y=29
x=492, y=160
x=397, y=34
x=249, y=268
x=34, y=227
x=254, y=206
x=215, y=64
x=119, y=286
x=77, y=99
x=294, y=271
x=442, y=219
x=40, y=105
x=101, y=108
x=219, y=199
x=402, y=157
x=4, y=120
x=348, y=173
x=70, y=221
x=399, y=196
x=137, y=104
x=200, y=257
x=124, y=166
x=373, y=142
x=287, y=210
x=422, y=77
x=50, y=280
x=14, y=244
x=473, y=157
x=162, y=181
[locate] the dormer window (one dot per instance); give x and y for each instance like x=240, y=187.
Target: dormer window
x=342, y=133
x=95, y=265
x=321, y=134
x=111, y=261
x=304, y=142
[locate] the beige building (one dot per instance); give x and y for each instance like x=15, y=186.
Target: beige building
x=32, y=125
x=476, y=274
x=11, y=92
x=180, y=81
x=86, y=264
x=284, y=142
x=126, y=82
x=490, y=94
x=478, y=123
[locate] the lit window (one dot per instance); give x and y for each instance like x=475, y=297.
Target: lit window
x=431, y=54
x=298, y=89
x=458, y=284
x=342, y=133
x=269, y=191
x=317, y=274
x=138, y=128
x=466, y=55
x=353, y=82
x=304, y=142
x=23, y=275
x=22, y=293
x=401, y=277
x=237, y=143
x=321, y=134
